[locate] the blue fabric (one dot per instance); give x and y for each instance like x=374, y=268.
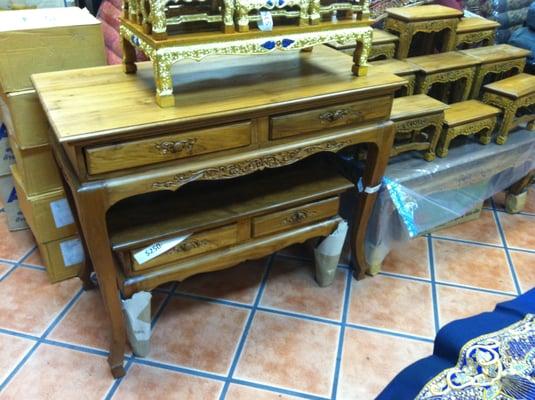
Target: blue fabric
x=525, y=38
x=449, y=342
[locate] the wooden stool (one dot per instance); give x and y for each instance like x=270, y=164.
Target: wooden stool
x=407, y=21
x=412, y=115
x=452, y=68
x=399, y=68
x=474, y=31
x=496, y=60
x=467, y=118
x=383, y=45
x=510, y=95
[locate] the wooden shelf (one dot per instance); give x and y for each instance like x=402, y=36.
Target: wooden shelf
x=134, y=222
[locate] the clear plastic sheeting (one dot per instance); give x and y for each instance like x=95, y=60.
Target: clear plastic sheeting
x=418, y=196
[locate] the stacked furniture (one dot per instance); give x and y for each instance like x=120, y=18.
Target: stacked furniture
x=235, y=171
x=383, y=46
x=474, y=32
x=36, y=176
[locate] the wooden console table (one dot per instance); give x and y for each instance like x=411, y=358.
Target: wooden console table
x=119, y=152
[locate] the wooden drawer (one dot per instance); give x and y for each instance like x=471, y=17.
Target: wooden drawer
x=297, y=216
x=198, y=243
x=348, y=114
x=136, y=153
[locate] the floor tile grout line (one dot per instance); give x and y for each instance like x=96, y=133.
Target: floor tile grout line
x=405, y=277
x=278, y=390
x=434, y=292
x=39, y=341
x=470, y=242
x=520, y=250
x=34, y=267
x=295, y=315
x=474, y=288
x=117, y=382
x=160, y=310
x=247, y=327
x=340, y=347
x=214, y=300
x=388, y=332
x=507, y=254
x=310, y=260
x=17, y=263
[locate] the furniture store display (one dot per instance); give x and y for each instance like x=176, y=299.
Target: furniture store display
x=465, y=118
x=418, y=120
x=513, y=95
x=400, y=68
x=524, y=37
x=147, y=27
x=431, y=20
x=383, y=46
x=233, y=172
x=34, y=41
x=474, y=32
x=496, y=62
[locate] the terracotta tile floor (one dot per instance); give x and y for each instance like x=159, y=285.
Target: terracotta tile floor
x=263, y=330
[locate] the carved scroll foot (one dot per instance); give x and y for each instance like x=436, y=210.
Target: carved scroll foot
x=485, y=138
x=117, y=371
x=501, y=139
x=429, y=156
x=360, y=70
x=531, y=126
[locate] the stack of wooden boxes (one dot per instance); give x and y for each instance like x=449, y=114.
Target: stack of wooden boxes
x=35, y=41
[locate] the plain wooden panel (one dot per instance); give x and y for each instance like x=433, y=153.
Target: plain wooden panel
x=198, y=243
x=319, y=119
x=297, y=216
x=135, y=153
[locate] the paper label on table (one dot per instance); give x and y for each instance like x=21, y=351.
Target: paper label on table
x=266, y=22
x=155, y=249
x=72, y=252
x=62, y=213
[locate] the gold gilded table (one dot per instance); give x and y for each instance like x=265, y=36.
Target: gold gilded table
x=400, y=68
x=116, y=148
x=475, y=31
x=407, y=21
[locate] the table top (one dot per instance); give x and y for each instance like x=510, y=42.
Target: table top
x=468, y=111
x=472, y=24
x=423, y=13
x=380, y=37
x=515, y=86
x=413, y=106
x=392, y=66
x=104, y=101
x=443, y=61
x=500, y=52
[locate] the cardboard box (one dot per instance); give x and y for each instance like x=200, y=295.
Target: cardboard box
x=63, y=258
x=46, y=40
x=6, y=154
x=24, y=118
x=8, y=196
x=49, y=215
x=37, y=168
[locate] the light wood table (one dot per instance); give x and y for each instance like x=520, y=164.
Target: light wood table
x=456, y=71
x=407, y=21
x=120, y=152
x=400, y=68
x=383, y=45
x=496, y=61
x=466, y=118
x=511, y=95
x=418, y=122
x=474, y=31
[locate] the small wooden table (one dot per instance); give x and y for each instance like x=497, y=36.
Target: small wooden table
x=475, y=31
x=383, y=45
x=511, y=95
x=407, y=21
x=451, y=69
x=494, y=62
x=466, y=118
x=400, y=68
x=116, y=147
x=418, y=122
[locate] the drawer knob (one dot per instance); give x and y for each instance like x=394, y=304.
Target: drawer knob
x=176, y=147
x=332, y=116
x=296, y=217
x=192, y=244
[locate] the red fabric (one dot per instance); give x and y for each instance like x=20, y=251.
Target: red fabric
x=457, y=4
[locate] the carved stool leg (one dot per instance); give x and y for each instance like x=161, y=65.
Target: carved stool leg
x=478, y=82
x=404, y=44
x=486, y=136
x=468, y=85
x=445, y=142
x=430, y=155
x=360, y=57
x=531, y=125
x=129, y=57
x=449, y=40
x=507, y=122
x=164, y=83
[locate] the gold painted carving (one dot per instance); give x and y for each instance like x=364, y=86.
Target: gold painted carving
x=472, y=38
x=298, y=217
x=249, y=166
x=176, y=147
x=387, y=50
x=486, y=125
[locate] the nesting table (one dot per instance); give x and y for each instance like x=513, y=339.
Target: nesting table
x=475, y=31
x=455, y=70
x=405, y=22
x=128, y=163
x=400, y=68
x=496, y=61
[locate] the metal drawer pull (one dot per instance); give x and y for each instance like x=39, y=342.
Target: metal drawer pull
x=176, y=147
x=332, y=116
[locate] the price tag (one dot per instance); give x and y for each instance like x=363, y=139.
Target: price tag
x=155, y=249
x=266, y=22
x=62, y=213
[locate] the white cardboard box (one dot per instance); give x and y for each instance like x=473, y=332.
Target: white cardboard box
x=8, y=195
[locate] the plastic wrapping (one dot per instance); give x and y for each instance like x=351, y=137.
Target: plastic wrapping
x=419, y=196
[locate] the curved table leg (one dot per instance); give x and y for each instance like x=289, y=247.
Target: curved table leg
x=377, y=159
